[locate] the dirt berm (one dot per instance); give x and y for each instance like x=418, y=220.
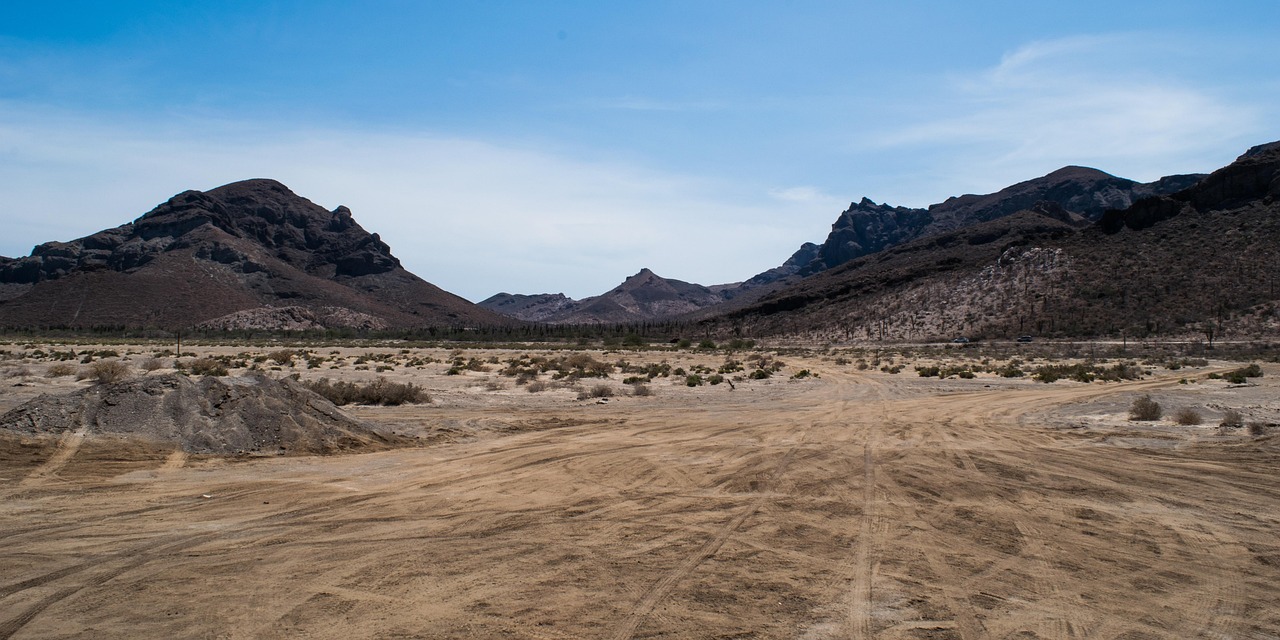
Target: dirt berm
x=252, y=414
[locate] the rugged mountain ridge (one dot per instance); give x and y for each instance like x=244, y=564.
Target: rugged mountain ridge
x=1081, y=195
x=248, y=248
x=1201, y=259
x=642, y=297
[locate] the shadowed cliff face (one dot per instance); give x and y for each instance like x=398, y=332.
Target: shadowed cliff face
x=244, y=248
x=1080, y=195
x=263, y=212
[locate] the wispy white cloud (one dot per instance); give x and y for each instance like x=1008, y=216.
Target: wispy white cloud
x=1115, y=102
x=472, y=216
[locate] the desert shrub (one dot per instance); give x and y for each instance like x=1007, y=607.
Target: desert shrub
x=1257, y=429
x=693, y=380
x=1145, y=408
x=641, y=390
x=759, y=374
x=1187, y=416
x=494, y=385
x=380, y=391
x=715, y=379
x=105, y=371
x=283, y=357
x=1231, y=419
x=928, y=372
x=1241, y=376
x=598, y=391
x=60, y=370
x=537, y=386
x=151, y=364
x=966, y=374
x=801, y=374
x=741, y=343
x=707, y=344
x=208, y=367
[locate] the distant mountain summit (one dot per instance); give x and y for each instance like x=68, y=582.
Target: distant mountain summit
x=1079, y=195
x=642, y=297
x=250, y=254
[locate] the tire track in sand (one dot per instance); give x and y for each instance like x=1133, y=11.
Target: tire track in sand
x=67, y=447
x=663, y=587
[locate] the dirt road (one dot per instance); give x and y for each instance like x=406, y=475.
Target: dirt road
x=852, y=506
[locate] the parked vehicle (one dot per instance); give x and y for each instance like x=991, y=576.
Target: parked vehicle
x=1025, y=338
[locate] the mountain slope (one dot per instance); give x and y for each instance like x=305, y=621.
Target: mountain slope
x=1201, y=259
x=1081, y=194
x=642, y=297
x=248, y=248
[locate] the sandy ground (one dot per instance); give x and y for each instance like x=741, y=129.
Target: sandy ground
x=856, y=505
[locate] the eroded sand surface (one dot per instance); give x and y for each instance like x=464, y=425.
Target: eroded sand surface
x=856, y=505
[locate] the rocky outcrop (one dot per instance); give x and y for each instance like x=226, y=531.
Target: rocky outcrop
x=204, y=255
x=1076, y=195
x=1252, y=180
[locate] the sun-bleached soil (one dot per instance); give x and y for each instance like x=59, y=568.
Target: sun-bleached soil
x=856, y=504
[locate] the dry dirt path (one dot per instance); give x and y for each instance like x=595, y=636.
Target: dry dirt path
x=854, y=506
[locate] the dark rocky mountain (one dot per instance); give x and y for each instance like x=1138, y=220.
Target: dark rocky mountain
x=1201, y=259
x=245, y=255
x=642, y=297
x=540, y=307
x=1076, y=195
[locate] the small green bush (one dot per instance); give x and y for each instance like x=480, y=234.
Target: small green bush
x=693, y=380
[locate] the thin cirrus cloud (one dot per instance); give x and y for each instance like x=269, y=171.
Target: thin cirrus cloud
x=1113, y=102
x=474, y=217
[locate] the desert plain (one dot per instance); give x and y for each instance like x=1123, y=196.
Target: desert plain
x=850, y=503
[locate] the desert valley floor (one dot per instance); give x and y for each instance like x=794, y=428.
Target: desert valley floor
x=854, y=504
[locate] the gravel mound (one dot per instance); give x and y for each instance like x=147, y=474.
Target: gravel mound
x=251, y=414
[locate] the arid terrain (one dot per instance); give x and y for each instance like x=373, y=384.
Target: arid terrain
x=854, y=503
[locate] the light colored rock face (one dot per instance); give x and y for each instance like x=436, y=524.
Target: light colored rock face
x=250, y=414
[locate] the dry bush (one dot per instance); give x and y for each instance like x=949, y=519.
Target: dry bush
x=598, y=391
x=283, y=357
x=1187, y=417
x=1257, y=429
x=19, y=372
x=494, y=385
x=1231, y=420
x=208, y=367
x=380, y=391
x=537, y=386
x=641, y=390
x=60, y=370
x=1145, y=408
x=105, y=371
x=151, y=364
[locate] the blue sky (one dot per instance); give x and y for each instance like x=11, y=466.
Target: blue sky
x=562, y=146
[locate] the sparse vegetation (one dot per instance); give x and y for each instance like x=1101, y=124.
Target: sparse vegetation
x=379, y=392
x=1145, y=408
x=208, y=367
x=1231, y=419
x=60, y=370
x=105, y=371
x=1187, y=416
